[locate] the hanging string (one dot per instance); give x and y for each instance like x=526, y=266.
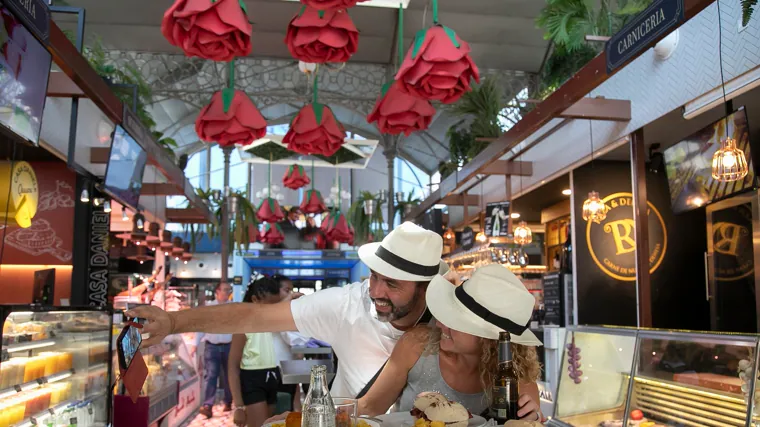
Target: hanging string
x=337, y=178
x=435, y=12
x=722, y=77
x=400, y=35
x=269, y=171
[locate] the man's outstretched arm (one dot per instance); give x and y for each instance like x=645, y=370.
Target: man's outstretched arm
x=236, y=318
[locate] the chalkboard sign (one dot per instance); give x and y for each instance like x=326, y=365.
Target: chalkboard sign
x=553, y=299
x=468, y=238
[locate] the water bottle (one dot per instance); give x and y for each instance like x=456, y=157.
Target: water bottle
x=318, y=407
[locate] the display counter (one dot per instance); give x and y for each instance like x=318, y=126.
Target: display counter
x=55, y=366
x=679, y=378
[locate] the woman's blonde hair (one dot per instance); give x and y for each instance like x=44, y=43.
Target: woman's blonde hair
x=524, y=358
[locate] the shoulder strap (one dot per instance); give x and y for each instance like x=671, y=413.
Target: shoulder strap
x=426, y=318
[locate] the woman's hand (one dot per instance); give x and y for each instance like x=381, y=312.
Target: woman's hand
x=529, y=409
x=239, y=417
x=276, y=418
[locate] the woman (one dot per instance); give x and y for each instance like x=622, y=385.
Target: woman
x=253, y=371
x=457, y=357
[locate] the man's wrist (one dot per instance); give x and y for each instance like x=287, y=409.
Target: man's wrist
x=172, y=322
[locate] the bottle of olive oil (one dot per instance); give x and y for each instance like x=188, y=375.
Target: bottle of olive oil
x=506, y=385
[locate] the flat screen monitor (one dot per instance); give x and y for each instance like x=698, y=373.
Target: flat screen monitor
x=689, y=164
x=24, y=72
x=126, y=165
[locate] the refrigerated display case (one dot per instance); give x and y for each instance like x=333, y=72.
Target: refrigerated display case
x=173, y=389
x=679, y=379
x=54, y=366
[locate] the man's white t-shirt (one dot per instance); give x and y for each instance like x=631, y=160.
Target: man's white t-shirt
x=347, y=320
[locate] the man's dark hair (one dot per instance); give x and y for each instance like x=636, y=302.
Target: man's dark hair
x=261, y=288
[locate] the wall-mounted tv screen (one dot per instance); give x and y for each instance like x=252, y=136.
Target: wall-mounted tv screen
x=24, y=72
x=126, y=165
x=689, y=164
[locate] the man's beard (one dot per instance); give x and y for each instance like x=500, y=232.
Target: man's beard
x=396, y=312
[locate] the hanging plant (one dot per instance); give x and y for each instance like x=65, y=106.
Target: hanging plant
x=315, y=130
x=243, y=225
x=321, y=36
x=231, y=118
x=217, y=30
x=295, y=177
x=403, y=208
x=438, y=66
x=363, y=221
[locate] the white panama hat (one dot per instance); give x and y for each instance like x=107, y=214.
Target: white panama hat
x=409, y=252
x=493, y=300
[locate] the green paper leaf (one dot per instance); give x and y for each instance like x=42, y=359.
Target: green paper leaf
x=243, y=6
x=290, y=170
x=321, y=14
x=228, y=94
x=387, y=87
x=271, y=204
x=318, y=111
x=303, y=9
x=419, y=38
x=452, y=36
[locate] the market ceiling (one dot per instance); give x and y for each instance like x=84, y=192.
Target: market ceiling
x=502, y=34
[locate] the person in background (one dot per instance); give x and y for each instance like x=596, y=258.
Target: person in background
x=215, y=356
x=253, y=372
x=284, y=341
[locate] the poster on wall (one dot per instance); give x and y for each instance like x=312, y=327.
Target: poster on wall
x=497, y=219
x=49, y=238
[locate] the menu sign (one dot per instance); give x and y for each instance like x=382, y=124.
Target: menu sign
x=34, y=14
x=98, y=261
x=552, y=299
x=497, y=219
x=468, y=238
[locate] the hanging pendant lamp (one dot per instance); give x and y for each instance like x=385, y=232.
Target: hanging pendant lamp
x=729, y=163
x=523, y=234
x=593, y=207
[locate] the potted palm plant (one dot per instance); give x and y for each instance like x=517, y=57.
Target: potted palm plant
x=366, y=216
x=404, y=207
x=243, y=225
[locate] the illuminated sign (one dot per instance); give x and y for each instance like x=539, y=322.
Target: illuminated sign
x=18, y=204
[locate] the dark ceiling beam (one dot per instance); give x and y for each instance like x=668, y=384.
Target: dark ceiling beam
x=588, y=78
x=185, y=216
x=61, y=86
x=459, y=200
x=160, y=189
x=508, y=167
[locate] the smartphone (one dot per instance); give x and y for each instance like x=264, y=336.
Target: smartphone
x=128, y=343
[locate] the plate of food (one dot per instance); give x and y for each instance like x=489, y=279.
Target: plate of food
x=434, y=410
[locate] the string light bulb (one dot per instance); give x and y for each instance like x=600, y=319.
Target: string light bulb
x=84, y=197
x=481, y=237
x=523, y=234
x=593, y=208
x=107, y=206
x=729, y=163
x=124, y=216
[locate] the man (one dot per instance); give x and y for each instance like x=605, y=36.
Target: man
x=361, y=321
x=215, y=357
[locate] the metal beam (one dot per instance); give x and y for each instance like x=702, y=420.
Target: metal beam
x=615, y=110
x=584, y=81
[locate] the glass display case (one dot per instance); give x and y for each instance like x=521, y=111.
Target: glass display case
x=54, y=366
x=172, y=387
x=679, y=379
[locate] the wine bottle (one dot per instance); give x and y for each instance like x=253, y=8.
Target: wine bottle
x=318, y=407
x=506, y=385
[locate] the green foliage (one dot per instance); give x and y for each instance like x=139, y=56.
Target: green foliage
x=363, y=223
x=567, y=23
x=271, y=151
x=402, y=206
x=168, y=144
x=242, y=222
x=748, y=7
x=343, y=155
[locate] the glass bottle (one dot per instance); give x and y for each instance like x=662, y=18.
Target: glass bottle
x=506, y=385
x=318, y=407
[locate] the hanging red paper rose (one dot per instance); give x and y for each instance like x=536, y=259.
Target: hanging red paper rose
x=319, y=36
x=331, y=4
x=270, y=211
x=326, y=222
x=230, y=118
x=339, y=230
x=313, y=203
x=211, y=29
x=398, y=112
x=295, y=177
x=272, y=234
x=315, y=130
x=438, y=66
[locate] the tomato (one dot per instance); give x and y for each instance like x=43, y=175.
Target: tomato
x=637, y=415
